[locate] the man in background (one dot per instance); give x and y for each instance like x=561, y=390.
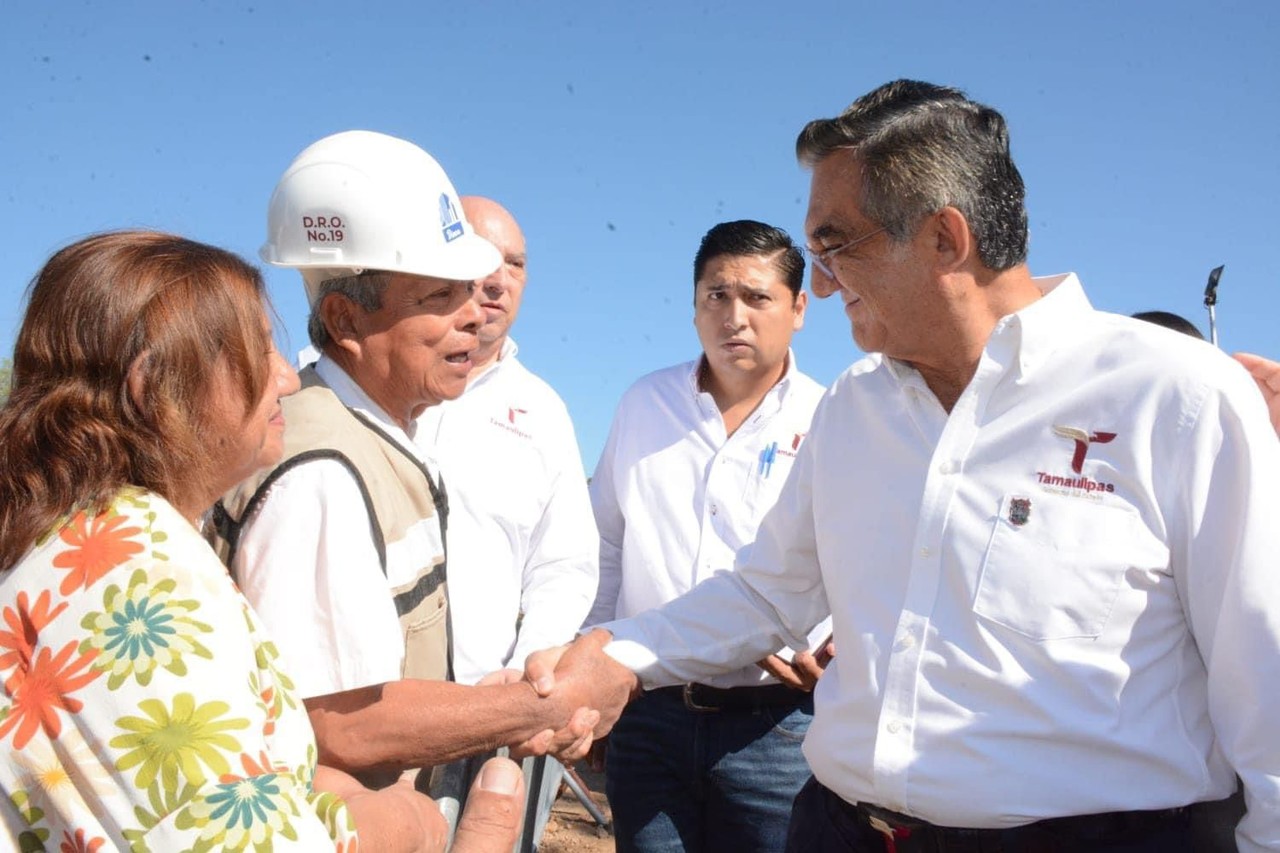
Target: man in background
x=522, y=539
x=696, y=457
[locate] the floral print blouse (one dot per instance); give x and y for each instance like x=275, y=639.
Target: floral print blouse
x=144, y=706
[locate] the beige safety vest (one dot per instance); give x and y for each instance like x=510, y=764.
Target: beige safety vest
x=398, y=492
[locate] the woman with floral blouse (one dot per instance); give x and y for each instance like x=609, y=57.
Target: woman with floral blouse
x=143, y=705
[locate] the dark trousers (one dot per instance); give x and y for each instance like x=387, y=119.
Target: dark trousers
x=821, y=822
x=704, y=782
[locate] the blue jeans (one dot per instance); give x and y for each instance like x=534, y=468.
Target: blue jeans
x=681, y=780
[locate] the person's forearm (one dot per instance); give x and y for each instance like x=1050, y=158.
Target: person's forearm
x=417, y=723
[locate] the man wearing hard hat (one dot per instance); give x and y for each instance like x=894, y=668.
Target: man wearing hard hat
x=341, y=547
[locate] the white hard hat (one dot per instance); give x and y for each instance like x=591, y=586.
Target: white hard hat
x=367, y=201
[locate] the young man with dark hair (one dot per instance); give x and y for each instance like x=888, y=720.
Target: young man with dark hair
x=696, y=456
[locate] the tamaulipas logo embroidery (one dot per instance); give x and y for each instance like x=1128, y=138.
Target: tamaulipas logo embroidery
x=515, y=418
x=1084, y=439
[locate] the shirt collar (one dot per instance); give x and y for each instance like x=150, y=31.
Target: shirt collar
x=508, y=351
x=1032, y=333
x=1039, y=329
x=354, y=397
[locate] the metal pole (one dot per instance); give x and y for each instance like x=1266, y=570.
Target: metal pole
x=1211, y=301
x=533, y=786
x=580, y=791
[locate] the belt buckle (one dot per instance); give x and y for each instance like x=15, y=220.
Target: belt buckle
x=890, y=832
x=687, y=694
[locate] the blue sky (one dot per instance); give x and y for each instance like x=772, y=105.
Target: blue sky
x=618, y=133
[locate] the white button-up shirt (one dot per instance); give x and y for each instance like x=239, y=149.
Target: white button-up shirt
x=522, y=540
x=308, y=565
x=676, y=500
x=1059, y=599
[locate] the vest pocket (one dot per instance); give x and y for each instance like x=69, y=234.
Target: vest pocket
x=1053, y=566
x=423, y=610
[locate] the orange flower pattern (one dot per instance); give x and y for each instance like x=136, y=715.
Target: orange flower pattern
x=43, y=690
x=58, y=645
x=24, y=623
x=79, y=844
x=98, y=546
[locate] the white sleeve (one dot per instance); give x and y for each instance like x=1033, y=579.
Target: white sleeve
x=611, y=527
x=1224, y=539
x=308, y=565
x=560, y=570
x=775, y=598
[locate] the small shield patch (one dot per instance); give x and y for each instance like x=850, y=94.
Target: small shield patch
x=1019, y=511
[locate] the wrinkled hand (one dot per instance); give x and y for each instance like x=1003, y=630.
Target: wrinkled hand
x=586, y=676
x=803, y=670
x=396, y=819
x=566, y=745
x=399, y=818
x=1266, y=373
x=540, y=667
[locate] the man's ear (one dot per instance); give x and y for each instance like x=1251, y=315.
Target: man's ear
x=953, y=241
x=799, y=306
x=341, y=319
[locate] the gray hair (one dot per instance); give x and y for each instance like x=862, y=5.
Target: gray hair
x=365, y=289
x=922, y=148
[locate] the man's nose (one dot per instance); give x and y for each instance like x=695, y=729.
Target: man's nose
x=735, y=318
x=471, y=315
x=822, y=284
x=494, y=284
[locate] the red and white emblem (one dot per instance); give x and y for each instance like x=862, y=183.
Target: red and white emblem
x=1083, y=439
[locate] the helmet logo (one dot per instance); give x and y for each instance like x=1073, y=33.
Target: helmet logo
x=323, y=229
x=450, y=224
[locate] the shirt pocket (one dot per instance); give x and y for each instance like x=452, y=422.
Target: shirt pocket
x=1054, y=566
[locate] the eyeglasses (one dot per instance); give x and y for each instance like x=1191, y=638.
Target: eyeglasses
x=821, y=258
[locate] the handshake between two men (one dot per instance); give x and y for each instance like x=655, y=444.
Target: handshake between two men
x=599, y=687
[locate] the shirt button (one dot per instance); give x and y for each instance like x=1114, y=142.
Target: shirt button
x=924, y=551
x=908, y=641
x=894, y=727
x=713, y=509
x=947, y=467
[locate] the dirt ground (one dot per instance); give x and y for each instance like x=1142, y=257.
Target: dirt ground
x=571, y=828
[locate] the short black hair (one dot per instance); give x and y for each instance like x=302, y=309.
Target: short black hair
x=746, y=237
x=1170, y=321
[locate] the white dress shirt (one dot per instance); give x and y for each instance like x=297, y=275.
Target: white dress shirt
x=1024, y=628
x=522, y=540
x=307, y=563
x=677, y=501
